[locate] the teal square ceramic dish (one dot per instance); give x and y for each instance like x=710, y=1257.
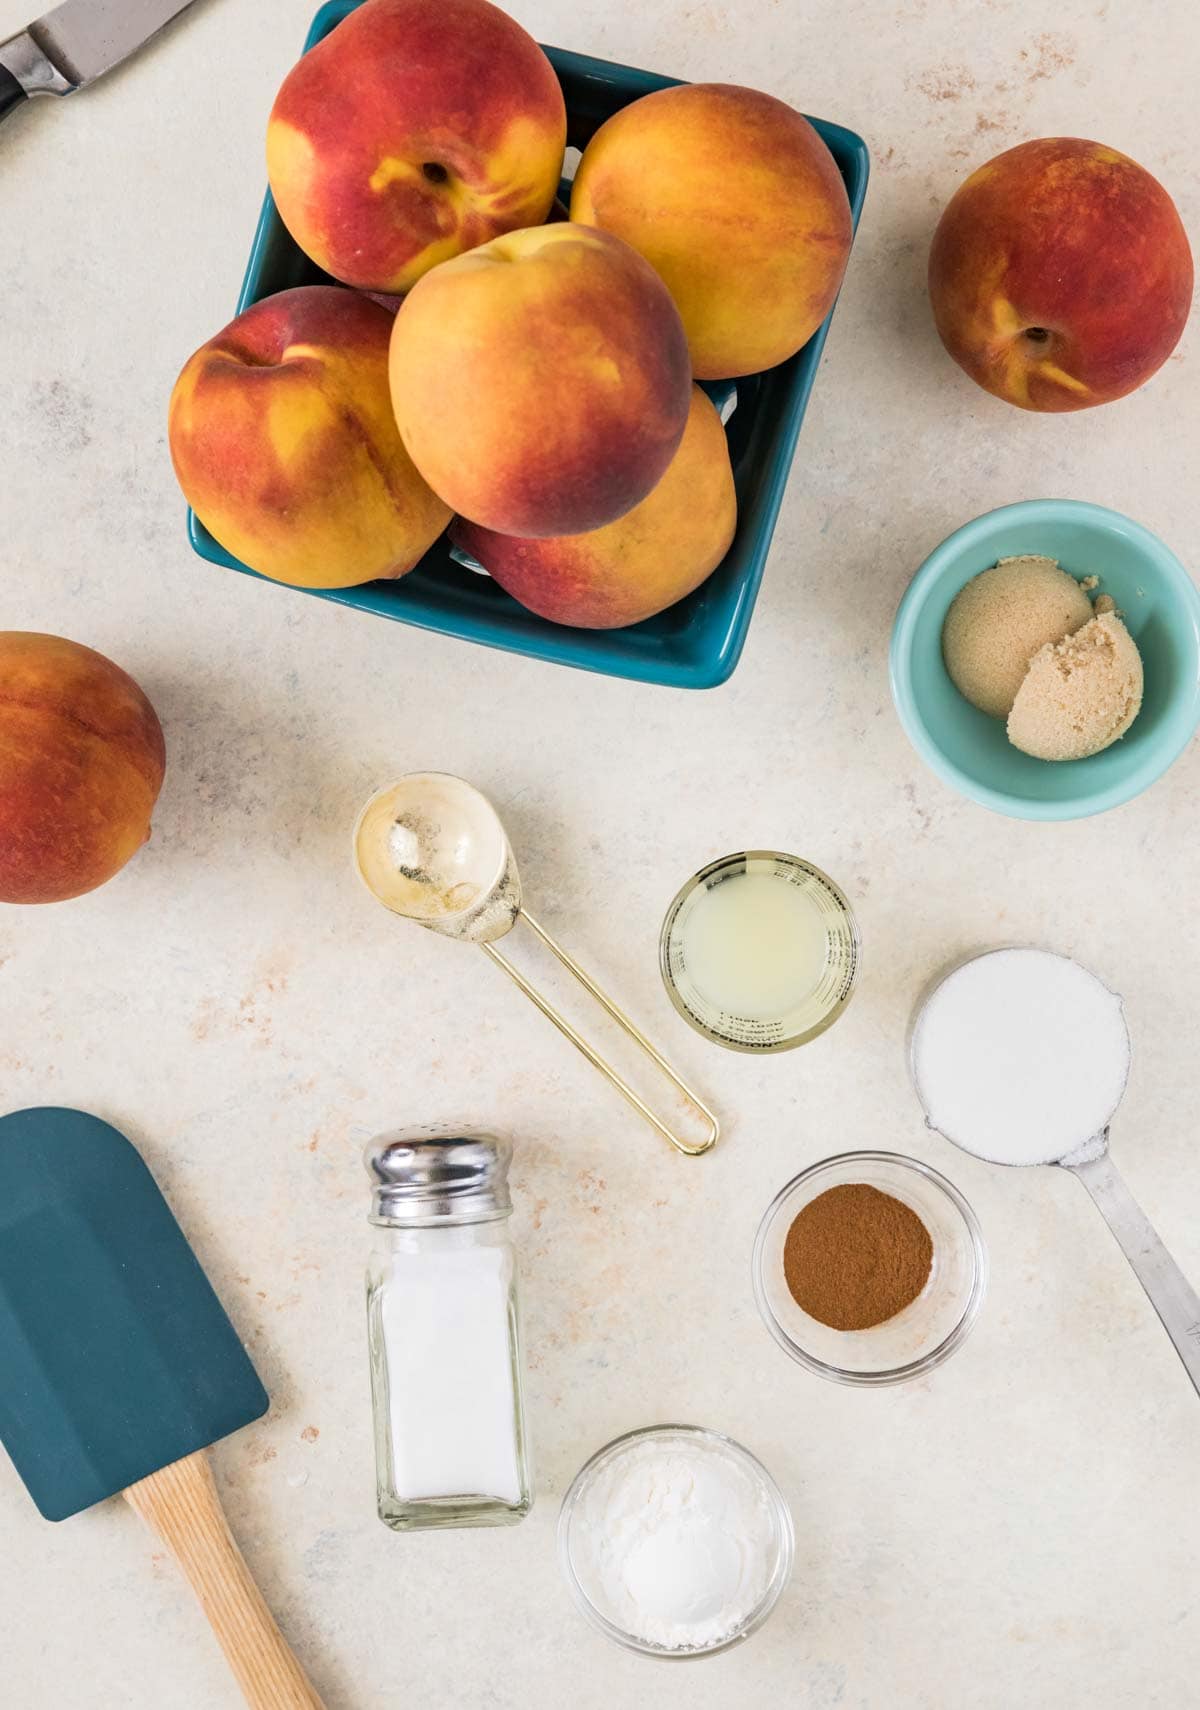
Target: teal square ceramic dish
x=695, y=644
x=1160, y=605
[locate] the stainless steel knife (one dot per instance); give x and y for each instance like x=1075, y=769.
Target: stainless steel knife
x=76, y=43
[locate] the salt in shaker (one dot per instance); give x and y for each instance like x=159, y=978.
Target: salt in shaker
x=444, y=1333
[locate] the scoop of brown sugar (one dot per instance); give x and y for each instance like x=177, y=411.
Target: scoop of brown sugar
x=999, y=621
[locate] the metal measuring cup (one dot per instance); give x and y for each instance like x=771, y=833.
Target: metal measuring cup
x=432, y=848
x=1170, y=1293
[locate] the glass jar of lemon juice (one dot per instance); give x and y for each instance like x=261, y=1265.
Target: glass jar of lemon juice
x=760, y=951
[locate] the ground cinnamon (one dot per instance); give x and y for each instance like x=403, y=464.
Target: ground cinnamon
x=855, y=1257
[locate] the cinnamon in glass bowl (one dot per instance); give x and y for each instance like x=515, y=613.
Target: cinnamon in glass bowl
x=845, y=1282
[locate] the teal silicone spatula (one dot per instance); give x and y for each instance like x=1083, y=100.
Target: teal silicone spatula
x=118, y=1368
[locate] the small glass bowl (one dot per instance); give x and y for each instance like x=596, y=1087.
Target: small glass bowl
x=930, y=1328
x=783, y=1539
x=819, y=1008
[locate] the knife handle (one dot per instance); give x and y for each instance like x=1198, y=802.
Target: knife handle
x=11, y=92
x=23, y=63
x=181, y=1504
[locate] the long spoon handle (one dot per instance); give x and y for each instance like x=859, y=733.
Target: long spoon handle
x=1171, y=1294
x=710, y=1124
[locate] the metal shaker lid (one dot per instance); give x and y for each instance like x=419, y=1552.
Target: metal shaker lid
x=421, y=1175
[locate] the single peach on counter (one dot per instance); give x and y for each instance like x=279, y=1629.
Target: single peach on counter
x=411, y=133
x=285, y=445
x=541, y=382
x=640, y=564
x=1060, y=275
x=81, y=764
x=739, y=205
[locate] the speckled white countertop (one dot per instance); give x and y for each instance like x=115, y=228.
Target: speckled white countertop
x=1018, y=1529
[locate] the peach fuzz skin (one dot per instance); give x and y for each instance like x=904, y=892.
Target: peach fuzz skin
x=736, y=201
x=284, y=442
x=638, y=565
x=1060, y=275
x=541, y=382
x=413, y=132
x=81, y=764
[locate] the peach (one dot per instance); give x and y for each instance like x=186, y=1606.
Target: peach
x=640, y=564
x=81, y=764
x=1060, y=275
x=285, y=445
x=411, y=133
x=737, y=202
x=541, y=382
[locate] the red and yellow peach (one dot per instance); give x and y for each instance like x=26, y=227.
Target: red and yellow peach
x=414, y=132
x=541, y=382
x=640, y=564
x=1060, y=275
x=284, y=442
x=81, y=764
x=738, y=204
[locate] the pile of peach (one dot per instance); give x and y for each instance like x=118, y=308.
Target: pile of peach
x=535, y=389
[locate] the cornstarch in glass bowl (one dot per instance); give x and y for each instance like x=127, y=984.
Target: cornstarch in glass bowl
x=675, y=1541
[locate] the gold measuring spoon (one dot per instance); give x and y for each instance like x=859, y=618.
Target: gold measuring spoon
x=432, y=848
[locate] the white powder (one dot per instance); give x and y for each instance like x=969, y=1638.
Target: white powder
x=675, y=1540
x=1021, y=1057
x=450, y=1378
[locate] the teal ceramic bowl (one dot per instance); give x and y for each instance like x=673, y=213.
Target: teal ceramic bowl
x=695, y=644
x=1160, y=605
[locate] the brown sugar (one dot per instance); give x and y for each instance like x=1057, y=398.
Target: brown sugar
x=855, y=1257
x=997, y=622
x=1080, y=694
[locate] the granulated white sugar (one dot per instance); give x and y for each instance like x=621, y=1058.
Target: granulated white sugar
x=1021, y=1057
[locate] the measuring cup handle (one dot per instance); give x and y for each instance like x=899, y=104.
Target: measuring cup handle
x=1171, y=1294
x=710, y=1126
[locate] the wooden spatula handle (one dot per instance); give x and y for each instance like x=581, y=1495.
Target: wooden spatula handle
x=181, y=1504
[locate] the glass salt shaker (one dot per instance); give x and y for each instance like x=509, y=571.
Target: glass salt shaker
x=444, y=1333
